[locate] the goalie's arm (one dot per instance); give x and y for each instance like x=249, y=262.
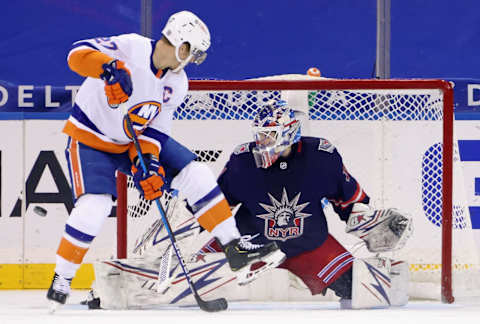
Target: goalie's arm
x=349, y=193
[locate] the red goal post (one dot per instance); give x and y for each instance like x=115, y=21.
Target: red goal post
x=326, y=102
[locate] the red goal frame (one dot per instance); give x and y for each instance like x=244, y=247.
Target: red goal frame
x=358, y=84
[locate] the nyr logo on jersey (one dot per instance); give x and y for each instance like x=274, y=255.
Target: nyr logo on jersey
x=141, y=115
x=284, y=219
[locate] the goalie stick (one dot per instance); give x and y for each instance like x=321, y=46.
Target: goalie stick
x=215, y=305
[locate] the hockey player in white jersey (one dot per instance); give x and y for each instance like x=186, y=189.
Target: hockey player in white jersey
x=146, y=77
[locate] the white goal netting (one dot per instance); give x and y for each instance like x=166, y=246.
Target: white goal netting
x=391, y=135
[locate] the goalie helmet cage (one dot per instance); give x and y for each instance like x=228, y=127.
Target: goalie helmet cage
x=342, y=111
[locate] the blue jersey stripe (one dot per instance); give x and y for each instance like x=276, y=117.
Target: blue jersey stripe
x=73, y=232
x=78, y=44
x=79, y=115
x=206, y=199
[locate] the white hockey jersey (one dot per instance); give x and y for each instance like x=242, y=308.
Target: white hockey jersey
x=156, y=94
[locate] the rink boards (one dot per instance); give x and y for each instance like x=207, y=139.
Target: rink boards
x=34, y=173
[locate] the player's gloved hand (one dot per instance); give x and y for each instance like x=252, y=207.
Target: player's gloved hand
x=151, y=184
x=118, y=84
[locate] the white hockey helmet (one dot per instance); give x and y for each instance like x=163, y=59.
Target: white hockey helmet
x=186, y=27
x=275, y=128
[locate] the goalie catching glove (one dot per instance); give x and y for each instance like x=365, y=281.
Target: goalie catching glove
x=382, y=230
x=118, y=84
x=151, y=184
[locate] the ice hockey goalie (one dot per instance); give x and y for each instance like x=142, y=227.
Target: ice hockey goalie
x=279, y=184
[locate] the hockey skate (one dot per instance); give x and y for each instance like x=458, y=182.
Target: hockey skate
x=58, y=291
x=250, y=260
x=92, y=301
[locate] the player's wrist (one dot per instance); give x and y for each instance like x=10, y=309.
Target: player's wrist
x=108, y=70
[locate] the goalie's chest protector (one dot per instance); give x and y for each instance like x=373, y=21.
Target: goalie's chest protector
x=283, y=203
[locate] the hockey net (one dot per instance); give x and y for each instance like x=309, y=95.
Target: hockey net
x=396, y=138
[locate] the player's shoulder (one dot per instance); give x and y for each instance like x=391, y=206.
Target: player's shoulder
x=242, y=155
x=241, y=150
x=178, y=77
x=318, y=144
x=241, y=160
x=178, y=81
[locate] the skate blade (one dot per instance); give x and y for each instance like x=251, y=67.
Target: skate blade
x=248, y=275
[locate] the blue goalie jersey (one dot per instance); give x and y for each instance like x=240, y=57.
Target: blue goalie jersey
x=283, y=203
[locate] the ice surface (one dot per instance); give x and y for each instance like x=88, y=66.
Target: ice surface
x=31, y=306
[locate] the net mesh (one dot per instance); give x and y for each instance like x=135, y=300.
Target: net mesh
x=322, y=105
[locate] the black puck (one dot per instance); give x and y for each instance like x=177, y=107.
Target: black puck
x=40, y=211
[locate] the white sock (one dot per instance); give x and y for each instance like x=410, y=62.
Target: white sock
x=226, y=231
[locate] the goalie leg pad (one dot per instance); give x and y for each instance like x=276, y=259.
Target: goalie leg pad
x=371, y=284
x=400, y=277
x=110, y=286
x=126, y=283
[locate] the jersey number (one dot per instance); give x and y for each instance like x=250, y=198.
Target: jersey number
x=106, y=42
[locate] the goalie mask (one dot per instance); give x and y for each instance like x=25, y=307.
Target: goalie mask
x=275, y=128
x=185, y=27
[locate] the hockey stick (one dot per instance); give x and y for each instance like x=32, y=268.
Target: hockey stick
x=215, y=305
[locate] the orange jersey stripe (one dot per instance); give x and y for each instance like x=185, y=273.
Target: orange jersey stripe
x=90, y=139
x=88, y=62
x=71, y=252
x=215, y=215
x=138, y=119
x=76, y=169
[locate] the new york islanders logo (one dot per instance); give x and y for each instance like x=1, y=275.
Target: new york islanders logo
x=284, y=219
x=141, y=115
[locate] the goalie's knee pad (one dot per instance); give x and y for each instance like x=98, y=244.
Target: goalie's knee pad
x=90, y=212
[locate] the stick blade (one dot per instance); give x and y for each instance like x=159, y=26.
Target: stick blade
x=211, y=306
